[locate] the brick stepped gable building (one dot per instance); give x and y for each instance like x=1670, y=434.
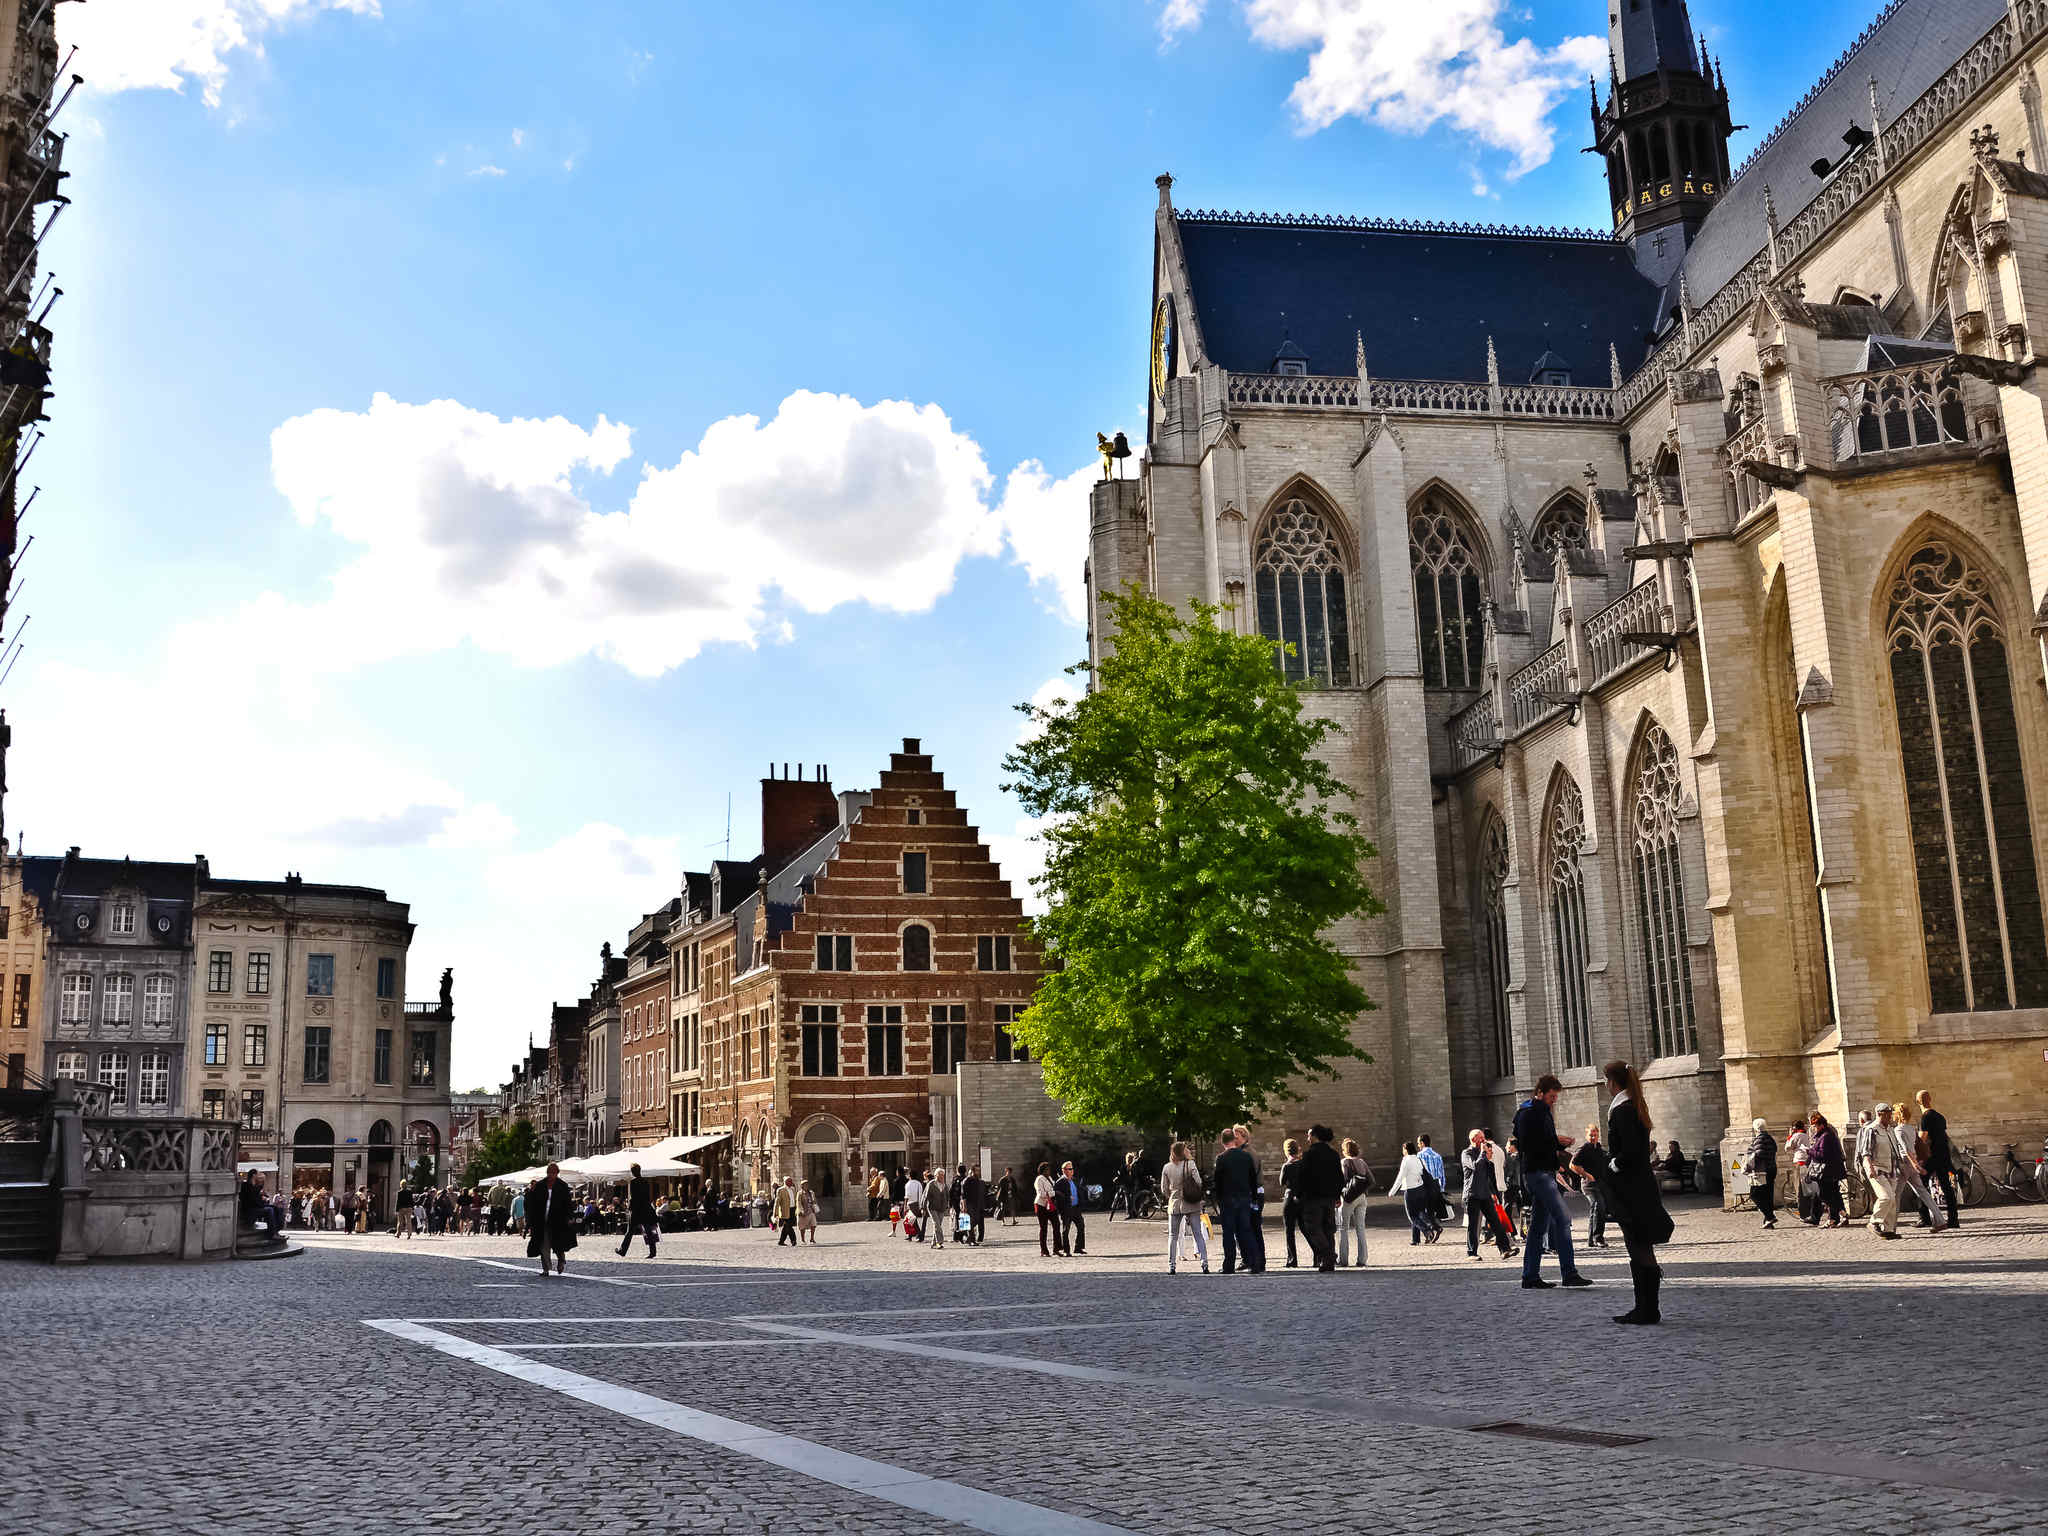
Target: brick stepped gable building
x=1678, y=590
x=882, y=950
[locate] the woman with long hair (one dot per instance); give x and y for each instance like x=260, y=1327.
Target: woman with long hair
x=1624, y=1169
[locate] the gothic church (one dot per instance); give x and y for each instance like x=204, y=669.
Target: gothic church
x=1679, y=589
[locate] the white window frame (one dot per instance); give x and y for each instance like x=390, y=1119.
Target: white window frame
x=76, y=1007
x=117, y=999
x=123, y=918
x=153, y=1079
x=159, y=1000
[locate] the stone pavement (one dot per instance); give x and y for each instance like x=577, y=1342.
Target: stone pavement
x=1820, y=1380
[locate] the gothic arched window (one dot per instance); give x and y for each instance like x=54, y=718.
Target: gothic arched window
x=1562, y=526
x=1566, y=836
x=1966, y=796
x=1660, y=897
x=1449, y=598
x=1301, y=598
x=1493, y=908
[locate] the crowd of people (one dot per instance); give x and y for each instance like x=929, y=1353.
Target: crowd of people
x=1903, y=1165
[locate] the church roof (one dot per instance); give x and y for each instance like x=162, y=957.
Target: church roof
x=1646, y=38
x=1909, y=47
x=1425, y=296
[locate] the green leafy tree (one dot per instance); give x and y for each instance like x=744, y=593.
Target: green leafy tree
x=1196, y=852
x=505, y=1148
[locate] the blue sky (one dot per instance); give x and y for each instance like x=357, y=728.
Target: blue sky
x=489, y=432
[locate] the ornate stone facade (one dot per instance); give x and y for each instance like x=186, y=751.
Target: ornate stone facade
x=1690, y=708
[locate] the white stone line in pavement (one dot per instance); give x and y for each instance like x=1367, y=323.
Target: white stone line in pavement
x=994, y=1306
x=755, y=1341
x=528, y=1269
x=631, y=1344
x=972, y=1507
x=968, y=1333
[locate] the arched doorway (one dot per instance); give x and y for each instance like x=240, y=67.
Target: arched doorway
x=823, y=1147
x=313, y=1157
x=423, y=1144
x=888, y=1147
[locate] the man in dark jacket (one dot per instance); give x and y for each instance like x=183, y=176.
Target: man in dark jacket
x=1072, y=1195
x=550, y=1220
x=1319, y=1185
x=640, y=1215
x=1542, y=1156
x=1482, y=1190
x=974, y=1201
x=1941, y=1158
x=1234, y=1183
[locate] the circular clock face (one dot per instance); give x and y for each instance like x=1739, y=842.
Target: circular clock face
x=1164, y=345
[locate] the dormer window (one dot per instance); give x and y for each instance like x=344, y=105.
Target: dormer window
x=1292, y=365
x=1289, y=358
x=124, y=917
x=1550, y=369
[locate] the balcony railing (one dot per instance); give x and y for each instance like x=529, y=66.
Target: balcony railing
x=1422, y=397
x=1895, y=408
x=1475, y=732
x=1538, y=689
x=1640, y=610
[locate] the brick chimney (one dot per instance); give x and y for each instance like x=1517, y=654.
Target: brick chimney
x=795, y=813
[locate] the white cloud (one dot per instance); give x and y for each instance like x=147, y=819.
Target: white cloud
x=1022, y=858
x=518, y=137
x=1046, y=523
x=478, y=530
x=126, y=45
x=487, y=170
x=1409, y=67
x=1178, y=16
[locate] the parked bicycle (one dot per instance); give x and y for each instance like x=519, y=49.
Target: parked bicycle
x=2013, y=1178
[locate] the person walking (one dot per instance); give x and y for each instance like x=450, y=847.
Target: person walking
x=938, y=1207
x=1596, y=1224
x=402, y=1214
x=1627, y=1167
x=878, y=1195
x=1356, y=1197
x=1433, y=1164
x=1805, y=1187
x=1073, y=1195
x=1412, y=1184
x=640, y=1215
x=973, y=1204
x=1542, y=1156
x=1045, y=1203
x=806, y=1213
x=784, y=1211
x=1877, y=1156
x=1941, y=1160
x=1762, y=1158
x=518, y=1212
x=550, y=1220
x=1290, y=1197
x=1912, y=1166
x=1006, y=1197
x=1319, y=1185
x=1233, y=1181
x=1180, y=1185
x=1824, y=1157
x=913, y=1204
x=1256, y=1226
x=1482, y=1195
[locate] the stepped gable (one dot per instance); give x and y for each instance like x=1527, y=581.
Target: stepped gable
x=1910, y=46
x=858, y=890
x=1425, y=296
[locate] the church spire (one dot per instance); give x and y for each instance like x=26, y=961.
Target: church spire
x=1663, y=133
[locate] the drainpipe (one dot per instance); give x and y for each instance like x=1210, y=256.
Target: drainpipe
x=284, y=1032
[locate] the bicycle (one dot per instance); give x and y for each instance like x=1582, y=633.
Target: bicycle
x=2014, y=1178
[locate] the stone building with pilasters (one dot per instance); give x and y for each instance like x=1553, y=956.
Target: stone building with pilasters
x=1678, y=589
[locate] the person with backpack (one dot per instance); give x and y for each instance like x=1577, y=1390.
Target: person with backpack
x=1180, y=1185
x=1320, y=1185
x=1359, y=1183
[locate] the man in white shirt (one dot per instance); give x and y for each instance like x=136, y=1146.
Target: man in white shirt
x=913, y=1200
x=1877, y=1154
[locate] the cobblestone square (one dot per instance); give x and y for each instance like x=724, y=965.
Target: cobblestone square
x=1803, y=1380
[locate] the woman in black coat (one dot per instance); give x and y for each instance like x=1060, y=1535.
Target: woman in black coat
x=550, y=1220
x=1762, y=1157
x=1625, y=1170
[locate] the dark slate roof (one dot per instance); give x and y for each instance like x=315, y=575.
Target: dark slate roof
x=1645, y=38
x=302, y=888
x=1909, y=47
x=696, y=895
x=1426, y=297
x=96, y=877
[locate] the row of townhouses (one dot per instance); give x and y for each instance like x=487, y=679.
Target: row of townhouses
x=276, y=1004
x=819, y=1010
